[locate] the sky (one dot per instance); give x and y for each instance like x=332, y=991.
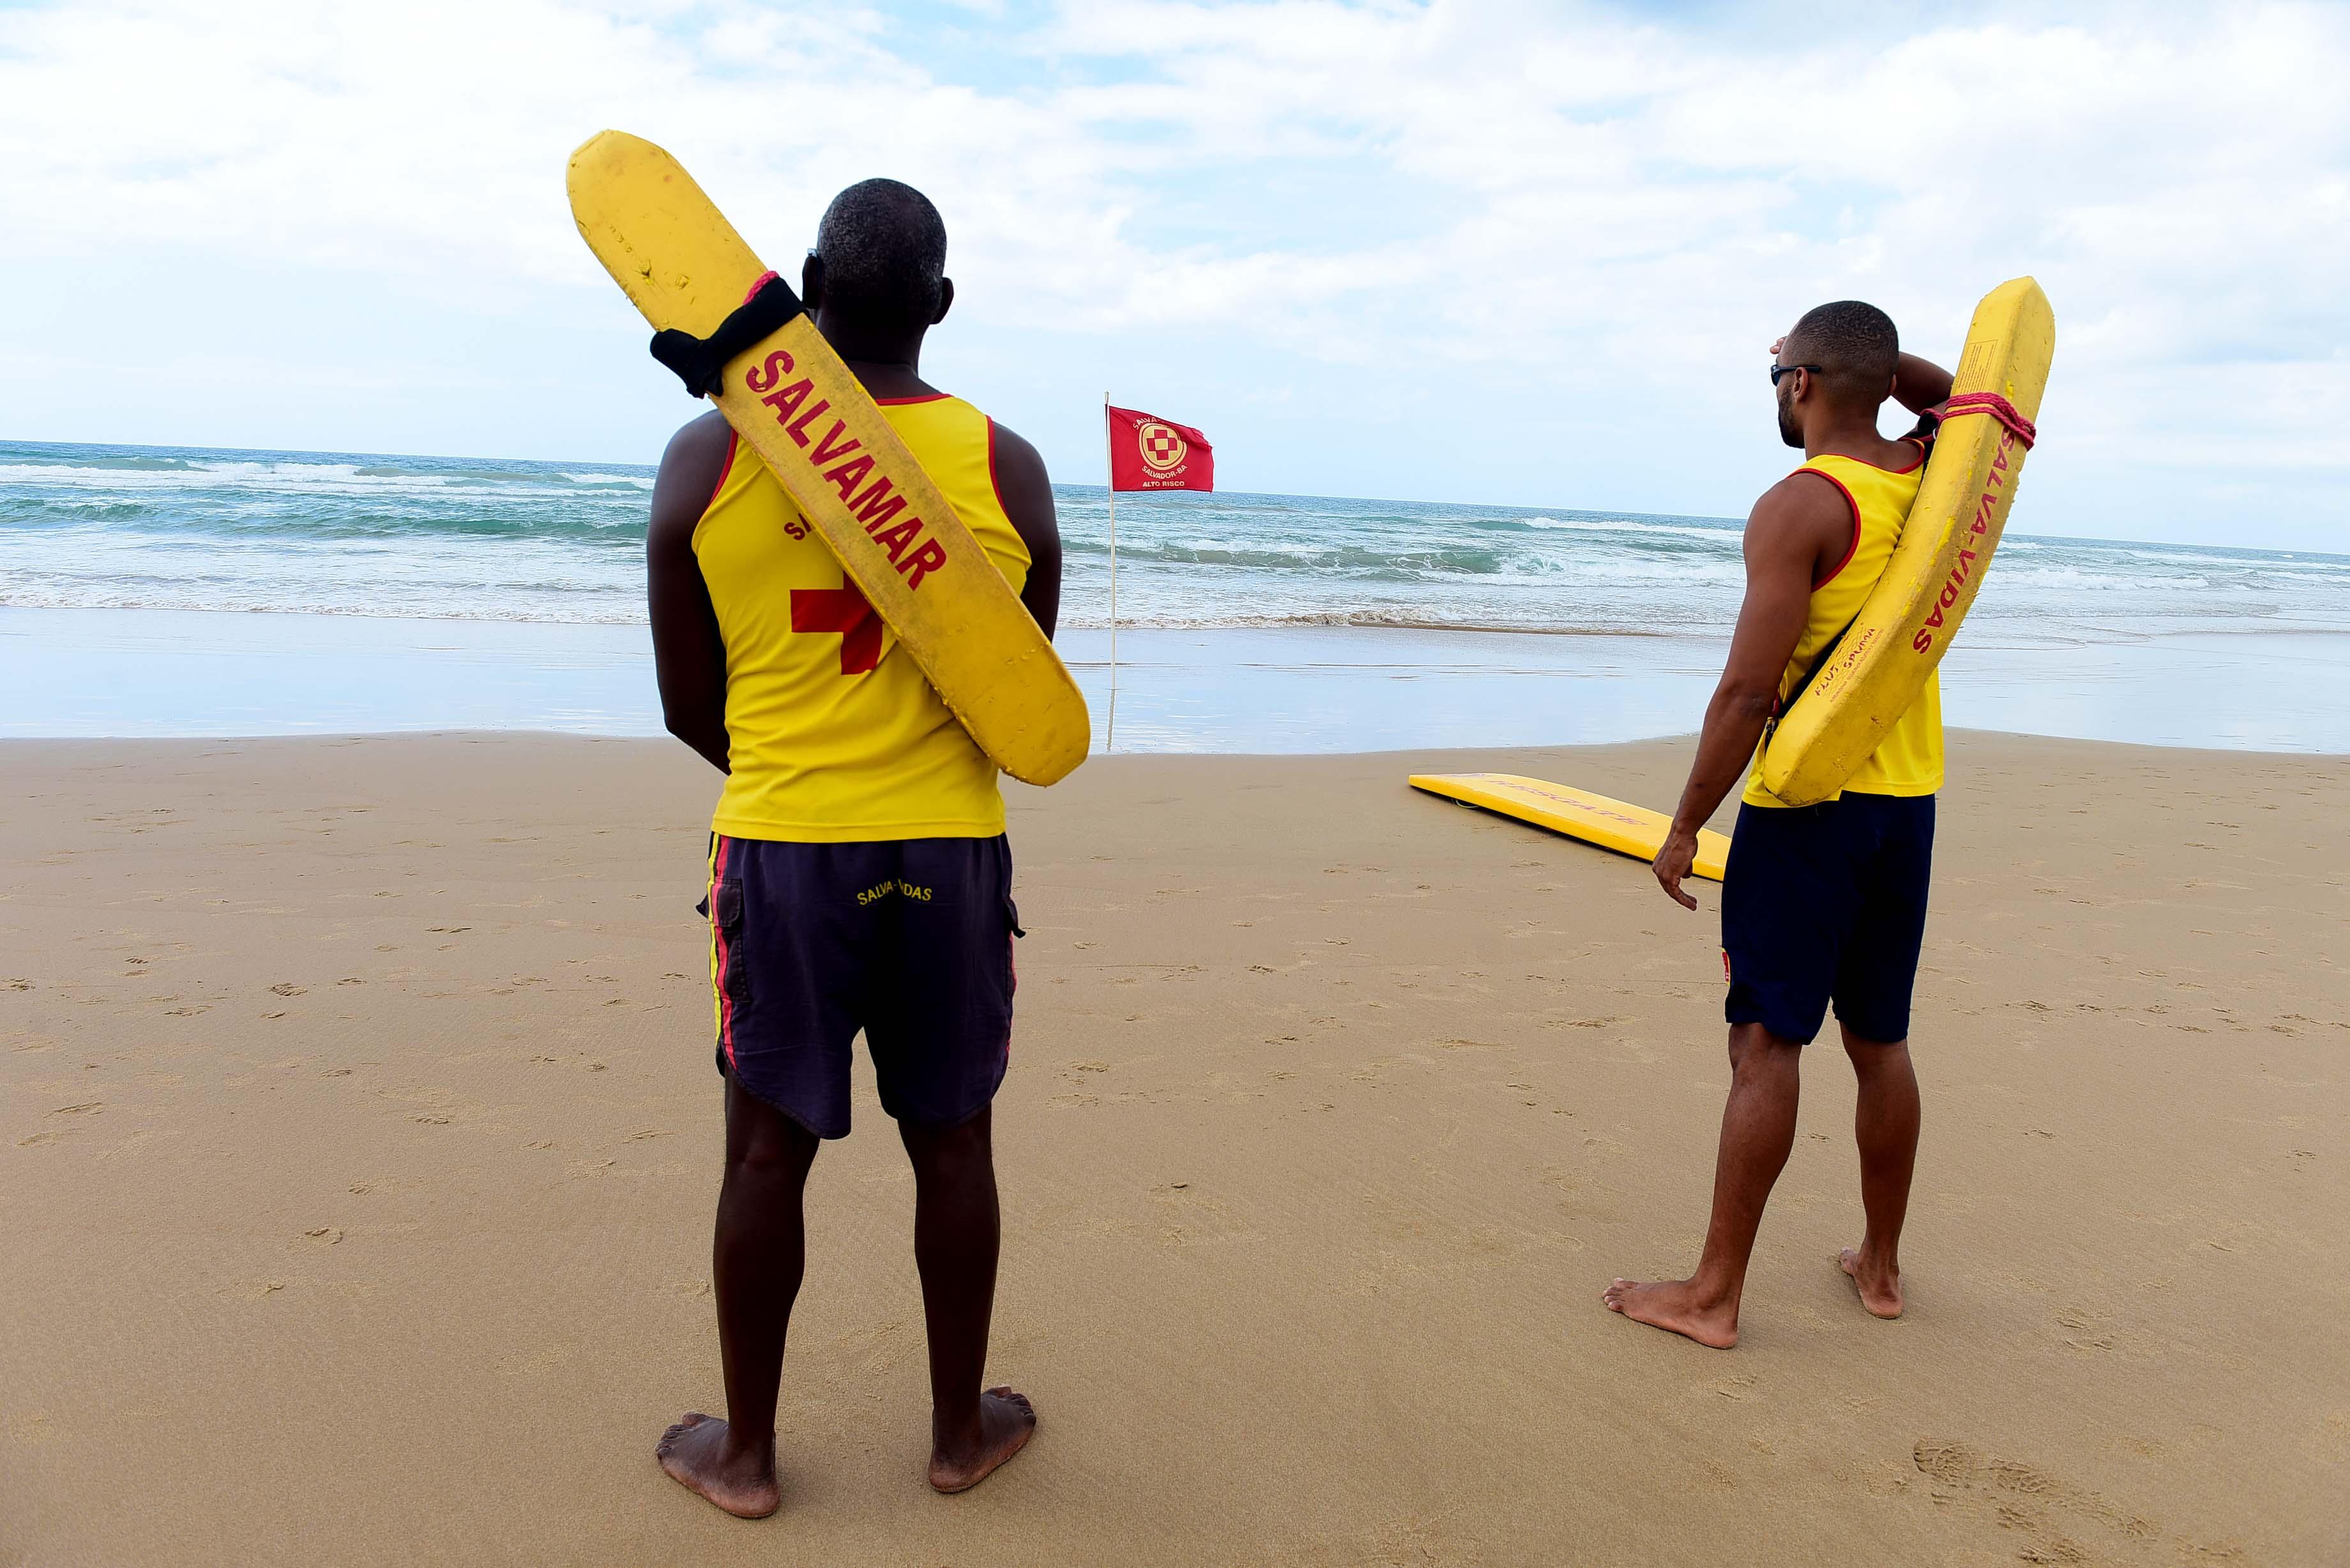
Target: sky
x=1528, y=255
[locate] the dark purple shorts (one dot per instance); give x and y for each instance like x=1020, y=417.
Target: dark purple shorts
x=1826, y=904
x=909, y=940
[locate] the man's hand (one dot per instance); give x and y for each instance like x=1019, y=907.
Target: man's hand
x=1672, y=864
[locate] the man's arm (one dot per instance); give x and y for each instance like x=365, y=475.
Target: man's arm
x=1025, y=493
x=1799, y=522
x=1920, y=384
x=689, y=655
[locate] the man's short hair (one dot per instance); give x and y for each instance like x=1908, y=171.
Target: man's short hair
x=884, y=254
x=1855, y=347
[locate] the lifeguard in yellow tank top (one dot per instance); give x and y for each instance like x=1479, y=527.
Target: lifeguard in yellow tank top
x=1909, y=761
x=833, y=734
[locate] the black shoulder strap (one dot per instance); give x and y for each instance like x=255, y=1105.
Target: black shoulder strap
x=1771, y=726
x=1929, y=424
x=701, y=362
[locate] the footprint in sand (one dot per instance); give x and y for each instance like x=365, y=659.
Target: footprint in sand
x=2089, y=1331
x=2026, y=1498
x=287, y=988
x=325, y=1235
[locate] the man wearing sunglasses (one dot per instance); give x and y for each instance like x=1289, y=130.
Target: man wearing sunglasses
x=1824, y=904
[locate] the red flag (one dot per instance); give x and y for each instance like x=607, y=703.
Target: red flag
x=1147, y=452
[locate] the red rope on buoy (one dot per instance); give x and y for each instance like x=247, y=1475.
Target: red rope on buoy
x=1998, y=408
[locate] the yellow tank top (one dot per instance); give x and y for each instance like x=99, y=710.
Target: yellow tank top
x=833, y=734
x=1909, y=761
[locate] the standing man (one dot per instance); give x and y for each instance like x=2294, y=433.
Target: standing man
x=1820, y=903
x=860, y=876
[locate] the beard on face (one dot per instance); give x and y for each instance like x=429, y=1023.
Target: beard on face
x=1790, y=431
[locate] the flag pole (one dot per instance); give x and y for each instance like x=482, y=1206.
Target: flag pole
x=1109, y=734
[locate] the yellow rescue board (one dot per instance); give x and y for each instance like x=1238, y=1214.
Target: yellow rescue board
x=1907, y=622
x=1632, y=830
x=683, y=265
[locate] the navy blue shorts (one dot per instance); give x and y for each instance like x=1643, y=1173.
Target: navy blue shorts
x=909, y=940
x=1827, y=903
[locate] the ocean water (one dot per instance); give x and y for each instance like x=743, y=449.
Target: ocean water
x=1248, y=622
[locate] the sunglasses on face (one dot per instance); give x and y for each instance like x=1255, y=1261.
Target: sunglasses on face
x=1778, y=370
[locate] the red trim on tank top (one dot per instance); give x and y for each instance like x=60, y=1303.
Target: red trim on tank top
x=1880, y=468
x=723, y=469
x=1849, y=550
x=901, y=402
x=992, y=483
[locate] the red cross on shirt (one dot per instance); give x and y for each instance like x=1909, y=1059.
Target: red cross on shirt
x=842, y=609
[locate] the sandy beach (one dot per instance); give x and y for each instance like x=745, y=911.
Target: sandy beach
x=359, y=1136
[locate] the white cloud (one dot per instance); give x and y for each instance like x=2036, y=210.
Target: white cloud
x=1572, y=229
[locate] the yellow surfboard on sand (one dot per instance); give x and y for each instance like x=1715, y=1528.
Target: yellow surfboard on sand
x=795, y=404
x=1627, y=829
x=1906, y=624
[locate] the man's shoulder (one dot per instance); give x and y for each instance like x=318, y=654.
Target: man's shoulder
x=690, y=472
x=695, y=458
x=1801, y=521
x=1808, y=494
x=702, y=436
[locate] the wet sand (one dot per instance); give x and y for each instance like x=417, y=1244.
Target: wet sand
x=359, y=1138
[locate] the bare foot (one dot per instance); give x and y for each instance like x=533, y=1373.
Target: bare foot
x=699, y=1455
x=1678, y=1306
x=1879, y=1285
x=1006, y=1422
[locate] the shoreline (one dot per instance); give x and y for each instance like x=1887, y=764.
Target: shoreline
x=1294, y=690
x=358, y=1100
